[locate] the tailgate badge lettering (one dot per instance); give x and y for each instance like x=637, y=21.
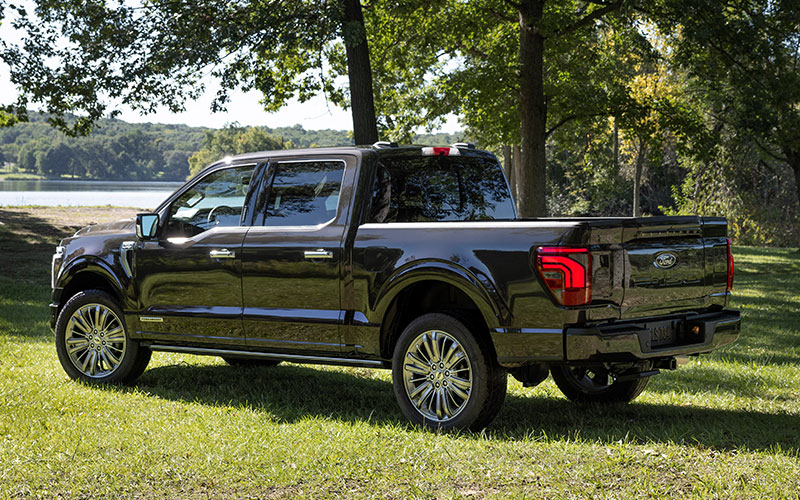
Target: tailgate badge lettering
x=666, y=260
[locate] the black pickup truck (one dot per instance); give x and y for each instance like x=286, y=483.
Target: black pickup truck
x=408, y=258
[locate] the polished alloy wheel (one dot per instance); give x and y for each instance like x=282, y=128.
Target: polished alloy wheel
x=437, y=375
x=95, y=340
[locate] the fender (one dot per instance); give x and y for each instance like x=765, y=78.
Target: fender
x=481, y=292
x=91, y=264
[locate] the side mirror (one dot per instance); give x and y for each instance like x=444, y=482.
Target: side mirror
x=146, y=226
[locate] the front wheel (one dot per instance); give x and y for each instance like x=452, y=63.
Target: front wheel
x=444, y=377
x=596, y=384
x=92, y=340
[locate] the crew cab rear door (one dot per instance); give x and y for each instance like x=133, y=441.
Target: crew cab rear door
x=292, y=256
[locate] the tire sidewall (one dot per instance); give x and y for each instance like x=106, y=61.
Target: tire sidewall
x=127, y=366
x=617, y=392
x=473, y=414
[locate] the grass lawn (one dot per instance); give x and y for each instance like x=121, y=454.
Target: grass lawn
x=727, y=425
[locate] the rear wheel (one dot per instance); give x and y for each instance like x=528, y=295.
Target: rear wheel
x=443, y=377
x=92, y=340
x=596, y=384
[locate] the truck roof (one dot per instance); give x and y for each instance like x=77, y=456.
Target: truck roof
x=379, y=148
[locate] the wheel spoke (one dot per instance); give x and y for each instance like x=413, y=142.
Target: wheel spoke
x=79, y=321
x=109, y=358
x=101, y=325
x=458, y=391
x=437, y=353
x=414, y=368
x=425, y=394
x=76, y=344
x=455, y=358
x=419, y=389
x=428, y=349
x=115, y=335
x=448, y=411
x=96, y=318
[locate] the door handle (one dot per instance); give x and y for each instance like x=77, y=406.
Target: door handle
x=222, y=254
x=318, y=254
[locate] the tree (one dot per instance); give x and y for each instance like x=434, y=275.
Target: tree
x=516, y=71
x=744, y=59
x=230, y=141
x=153, y=53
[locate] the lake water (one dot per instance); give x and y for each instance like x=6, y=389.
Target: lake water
x=146, y=195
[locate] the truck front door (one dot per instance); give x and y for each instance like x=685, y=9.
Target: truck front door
x=189, y=280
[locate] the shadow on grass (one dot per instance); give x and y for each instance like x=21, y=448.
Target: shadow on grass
x=290, y=393
x=26, y=244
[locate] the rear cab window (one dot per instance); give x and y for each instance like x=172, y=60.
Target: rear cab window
x=439, y=188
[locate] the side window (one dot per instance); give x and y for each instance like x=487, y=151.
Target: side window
x=217, y=200
x=429, y=189
x=304, y=193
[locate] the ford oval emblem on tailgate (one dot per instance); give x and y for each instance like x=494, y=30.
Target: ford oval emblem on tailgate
x=666, y=260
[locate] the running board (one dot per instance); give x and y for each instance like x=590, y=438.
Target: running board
x=295, y=358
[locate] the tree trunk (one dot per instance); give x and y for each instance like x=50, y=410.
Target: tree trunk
x=641, y=155
x=517, y=170
x=508, y=167
x=616, y=148
x=362, y=106
x=533, y=111
x=793, y=158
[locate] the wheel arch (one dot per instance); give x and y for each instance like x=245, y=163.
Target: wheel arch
x=434, y=287
x=89, y=274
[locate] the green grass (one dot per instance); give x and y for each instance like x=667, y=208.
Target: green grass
x=725, y=426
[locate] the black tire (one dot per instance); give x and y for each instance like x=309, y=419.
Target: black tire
x=250, y=361
x=437, y=382
x=101, y=351
x=595, y=385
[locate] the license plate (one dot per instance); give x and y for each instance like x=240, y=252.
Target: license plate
x=662, y=333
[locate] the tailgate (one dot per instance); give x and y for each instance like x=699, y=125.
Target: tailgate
x=660, y=265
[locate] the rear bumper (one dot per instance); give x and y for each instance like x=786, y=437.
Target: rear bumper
x=653, y=337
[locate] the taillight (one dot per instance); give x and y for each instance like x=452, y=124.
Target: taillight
x=567, y=273
x=730, y=267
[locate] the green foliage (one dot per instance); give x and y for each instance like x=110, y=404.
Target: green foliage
x=114, y=150
x=233, y=140
x=153, y=54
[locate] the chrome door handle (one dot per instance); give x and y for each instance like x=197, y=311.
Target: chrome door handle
x=222, y=254
x=318, y=254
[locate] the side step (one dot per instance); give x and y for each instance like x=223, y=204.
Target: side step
x=295, y=358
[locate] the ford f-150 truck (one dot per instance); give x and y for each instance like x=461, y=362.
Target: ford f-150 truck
x=407, y=258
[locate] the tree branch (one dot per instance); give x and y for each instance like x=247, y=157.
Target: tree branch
x=502, y=16
x=473, y=52
x=568, y=119
x=784, y=159
x=588, y=19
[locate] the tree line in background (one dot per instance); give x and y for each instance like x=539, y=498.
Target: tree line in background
x=597, y=107
x=117, y=150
